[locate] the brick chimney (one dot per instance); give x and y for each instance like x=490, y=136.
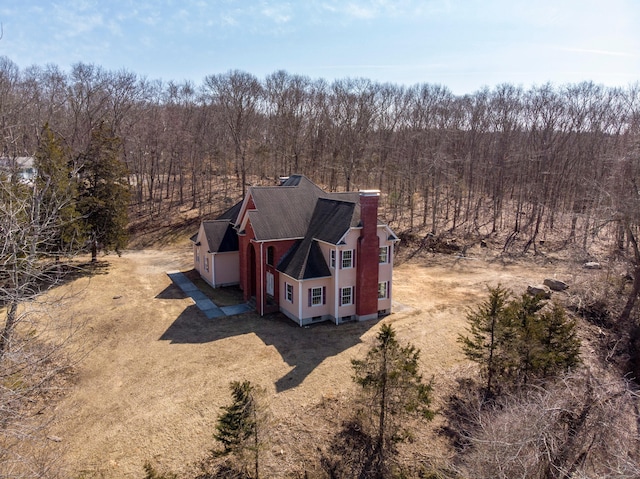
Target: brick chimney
x=368, y=257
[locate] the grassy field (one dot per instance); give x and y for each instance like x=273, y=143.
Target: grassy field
x=155, y=371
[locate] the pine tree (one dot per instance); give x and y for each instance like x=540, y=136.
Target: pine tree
x=104, y=194
x=519, y=340
x=560, y=344
x=524, y=314
x=489, y=332
x=239, y=427
x=393, y=389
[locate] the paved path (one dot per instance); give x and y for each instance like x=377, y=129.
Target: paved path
x=208, y=307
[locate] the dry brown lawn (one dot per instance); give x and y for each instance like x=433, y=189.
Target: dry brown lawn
x=156, y=371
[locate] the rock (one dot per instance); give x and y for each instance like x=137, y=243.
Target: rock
x=54, y=438
x=591, y=265
x=555, y=284
x=627, y=277
x=539, y=290
x=483, y=244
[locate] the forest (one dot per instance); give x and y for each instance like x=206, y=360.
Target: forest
x=548, y=162
x=526, y=170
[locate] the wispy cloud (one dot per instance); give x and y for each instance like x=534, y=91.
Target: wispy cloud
x=370, y=9
x=592, y=51
x=361, y=11
x=77, y=18
x=279, y=13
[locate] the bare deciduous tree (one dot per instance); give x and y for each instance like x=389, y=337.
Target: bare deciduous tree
x=579, y=427
x=33, y=260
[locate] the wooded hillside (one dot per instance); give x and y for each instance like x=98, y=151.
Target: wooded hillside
x=504, y=160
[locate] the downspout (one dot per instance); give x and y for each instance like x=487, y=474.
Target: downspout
x=213, y=269
x=391, y=247
x=300, y=302
x=336, y=286
x=261, y=280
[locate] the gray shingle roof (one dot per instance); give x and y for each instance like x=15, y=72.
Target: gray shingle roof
x=221, y=236
x=284, y=212
x=330, y=221
x=304, y=261
x=231, y=213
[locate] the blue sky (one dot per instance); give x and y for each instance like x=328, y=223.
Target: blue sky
x=463, y=45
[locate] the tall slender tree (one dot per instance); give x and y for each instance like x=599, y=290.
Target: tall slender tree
x=486, y=335
x=393, y=389
x=104, y=193
x=240, y=426
x=56, y=180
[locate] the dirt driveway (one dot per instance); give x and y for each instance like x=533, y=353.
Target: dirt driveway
x=156, y=371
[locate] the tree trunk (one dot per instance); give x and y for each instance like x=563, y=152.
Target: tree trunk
x=631, y=300
x=635, y=290
x=94, y=250
x=380, y=443
x=5, y=339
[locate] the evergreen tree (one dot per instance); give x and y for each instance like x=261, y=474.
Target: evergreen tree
x=392, y=389
x=104, y=194
x=560, y=344
x=56, y=179
x=489, y=331
x=524, y=314
x=239, y=426
x=519, y=340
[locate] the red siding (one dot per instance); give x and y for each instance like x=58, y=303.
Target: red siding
x=280, y=248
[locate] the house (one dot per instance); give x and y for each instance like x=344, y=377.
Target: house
x=22, y=166
x=294, y=248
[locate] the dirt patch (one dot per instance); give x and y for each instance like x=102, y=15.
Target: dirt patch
x=156, y=371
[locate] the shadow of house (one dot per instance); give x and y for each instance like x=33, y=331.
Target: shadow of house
x=304, y=349
x=171, y=292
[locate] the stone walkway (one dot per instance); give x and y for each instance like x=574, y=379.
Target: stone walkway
x=208, y=307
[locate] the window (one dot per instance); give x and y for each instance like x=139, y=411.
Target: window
x=346, y=296
x=383, y=290
x=270, y=251
x=206, y=263
x=384, y=255
x=333, y=258
x=347, y=259
x=269, y=283
x=289, y=292
x=197, y=255
x=317, y=296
